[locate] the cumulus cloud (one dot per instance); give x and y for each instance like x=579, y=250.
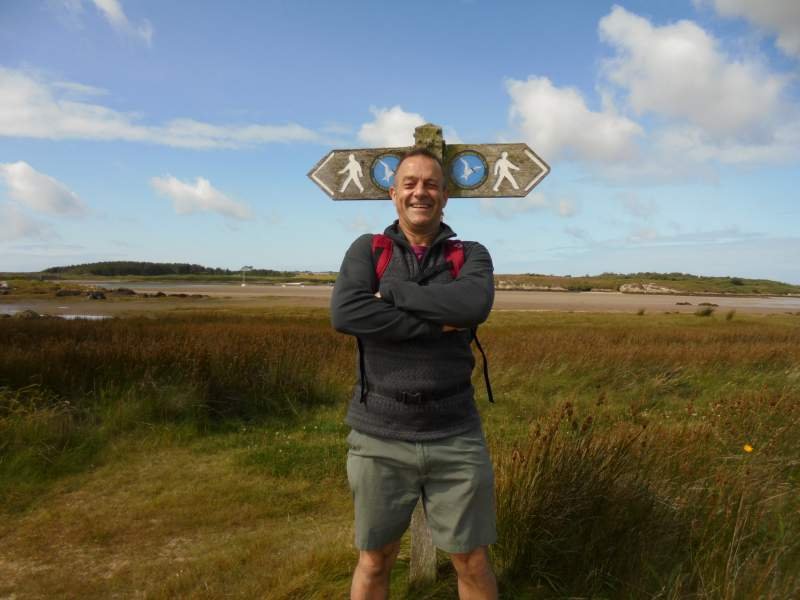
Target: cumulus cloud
x=391, y=127
x=781, y=17
x=15, y=224
x=30, y=107
x=558, y=123
x=678, y=71
x=40, y=192
x=201, y=196
x=702, y=107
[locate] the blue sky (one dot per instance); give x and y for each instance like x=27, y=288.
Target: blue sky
x=183, y=131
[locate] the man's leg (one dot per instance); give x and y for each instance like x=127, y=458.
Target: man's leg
x=371, y=577
x=475, y=576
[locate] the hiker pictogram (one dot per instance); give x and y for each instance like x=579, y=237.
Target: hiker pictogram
x=502, y=171
x=354, y=172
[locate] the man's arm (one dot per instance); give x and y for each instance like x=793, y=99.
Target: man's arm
x=356, y=310
x=465, y=302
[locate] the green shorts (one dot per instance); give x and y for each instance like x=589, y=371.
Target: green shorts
x=452, y=476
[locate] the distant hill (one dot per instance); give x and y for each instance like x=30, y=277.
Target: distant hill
x=639, y=282
x=145, y=269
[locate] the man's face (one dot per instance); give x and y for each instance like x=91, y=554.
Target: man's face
x=418, y=193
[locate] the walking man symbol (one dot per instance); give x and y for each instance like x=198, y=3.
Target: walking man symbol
x=353, y=170
x=501, y=169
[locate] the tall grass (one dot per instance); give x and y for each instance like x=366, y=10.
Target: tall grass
x=647, y=457
x=68, y=387
x=697, y=511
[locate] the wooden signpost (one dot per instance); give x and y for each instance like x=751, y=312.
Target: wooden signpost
x=472, y=171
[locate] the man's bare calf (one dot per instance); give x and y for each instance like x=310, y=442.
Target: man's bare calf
x=476, y=579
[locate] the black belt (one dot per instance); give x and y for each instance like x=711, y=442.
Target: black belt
x=407, y=397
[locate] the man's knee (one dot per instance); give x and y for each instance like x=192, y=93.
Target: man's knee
x=378, y=563
x=472, y=564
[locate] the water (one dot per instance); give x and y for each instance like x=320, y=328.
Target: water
x=12, y=309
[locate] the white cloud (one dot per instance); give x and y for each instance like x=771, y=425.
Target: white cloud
x=391, y=127
x=79, y=89
x=678, y=71
x=33, y=108
x=701, y=106
x=15, y=224
x=188, y=198
x=557, y=122
x=40, y=192
x=779, y=16
x=508, y=208
x=113, y=13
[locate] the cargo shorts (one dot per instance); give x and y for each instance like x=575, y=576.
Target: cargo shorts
x=453, y=477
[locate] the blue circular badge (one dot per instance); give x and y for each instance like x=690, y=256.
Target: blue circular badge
x=383, y=170
x=468, y=169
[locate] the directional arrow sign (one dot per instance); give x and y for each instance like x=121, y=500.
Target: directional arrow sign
x=492, y=170
x=357, y=174
x=473, y=171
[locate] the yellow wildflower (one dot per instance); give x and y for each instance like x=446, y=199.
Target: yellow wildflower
x=747, y=448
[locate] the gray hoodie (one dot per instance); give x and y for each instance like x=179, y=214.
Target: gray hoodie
x=417, y=378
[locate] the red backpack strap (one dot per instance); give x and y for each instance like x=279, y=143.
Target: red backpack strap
x=382, y=247
x=454, y=254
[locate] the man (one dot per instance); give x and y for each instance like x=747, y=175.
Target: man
x=416, y=432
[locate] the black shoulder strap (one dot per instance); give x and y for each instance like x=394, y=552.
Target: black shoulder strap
x=474, y=332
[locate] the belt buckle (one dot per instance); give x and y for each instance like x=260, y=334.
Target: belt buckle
x=411, y=397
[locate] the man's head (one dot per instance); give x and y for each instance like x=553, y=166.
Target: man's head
x=419, y=191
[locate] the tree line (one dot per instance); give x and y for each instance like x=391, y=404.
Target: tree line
x=126, y=267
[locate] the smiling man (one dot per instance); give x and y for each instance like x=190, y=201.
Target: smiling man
x=416, y=433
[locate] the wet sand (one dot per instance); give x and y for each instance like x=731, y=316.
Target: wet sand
x=232, y=297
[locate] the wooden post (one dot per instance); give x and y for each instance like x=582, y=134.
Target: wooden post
x=422, y=567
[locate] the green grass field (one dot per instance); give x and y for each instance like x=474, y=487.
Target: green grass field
x=202, y=456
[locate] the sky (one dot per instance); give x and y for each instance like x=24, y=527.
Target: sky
x=184, y=131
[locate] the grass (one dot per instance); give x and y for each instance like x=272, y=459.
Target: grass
x=202, y=456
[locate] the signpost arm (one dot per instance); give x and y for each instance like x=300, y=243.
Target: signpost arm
x=422, y=567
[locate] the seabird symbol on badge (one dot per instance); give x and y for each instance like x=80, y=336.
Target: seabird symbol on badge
x=468, y=169
x=383, y=170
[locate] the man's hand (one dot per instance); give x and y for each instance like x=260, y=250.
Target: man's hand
x=449, y=328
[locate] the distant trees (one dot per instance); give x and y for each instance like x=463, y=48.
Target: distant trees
x=127, y=267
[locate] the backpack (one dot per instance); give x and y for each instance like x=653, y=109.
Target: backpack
x=382, y=248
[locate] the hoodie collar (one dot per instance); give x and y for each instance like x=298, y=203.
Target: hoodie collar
x=393, y=231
